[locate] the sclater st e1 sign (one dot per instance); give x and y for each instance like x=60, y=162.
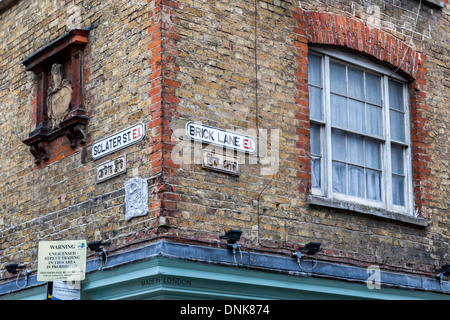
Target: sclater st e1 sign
x=221, y=138
x=118, y=141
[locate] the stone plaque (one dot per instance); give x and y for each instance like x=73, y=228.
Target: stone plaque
x=58, y=96
x=112, y=168
x=136, y=198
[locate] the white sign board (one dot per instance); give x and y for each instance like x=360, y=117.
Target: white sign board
x=219, y=137
x=63, y=290
x=118, y=141
x=219, y=162
x=62, y=260
x=112, y=168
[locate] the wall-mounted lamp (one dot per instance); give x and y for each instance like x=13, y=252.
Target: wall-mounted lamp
x=14, y=268
x=232, y=236
x=443, y=272
x=97, y=246
x=309, y=249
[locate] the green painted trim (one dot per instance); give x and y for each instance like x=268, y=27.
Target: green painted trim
x=36, y=293
x=165, y=270
x=167, y=278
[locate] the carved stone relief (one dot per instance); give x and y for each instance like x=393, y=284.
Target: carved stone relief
x=136, y=198
x=59, y=102
x=58, y=97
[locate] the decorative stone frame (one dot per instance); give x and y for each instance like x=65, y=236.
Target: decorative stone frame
x=68, y=52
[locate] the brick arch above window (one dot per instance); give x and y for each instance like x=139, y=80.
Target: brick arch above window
x=356, y=35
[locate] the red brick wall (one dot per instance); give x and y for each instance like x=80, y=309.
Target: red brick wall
x=162, y=94
x=353, y=34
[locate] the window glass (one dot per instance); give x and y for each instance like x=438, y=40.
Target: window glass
x=338, y=111
x=362, y=166
x=373, y=89
x=395, y=95
x=315, y=86
x=355, y=83
x=372, y=153
x=374, y=121
x=338, y=78
x=397, y=120
x=315, y=156
x=338, y=146
x=314, y=70
x=356, y=116
x=315, y=103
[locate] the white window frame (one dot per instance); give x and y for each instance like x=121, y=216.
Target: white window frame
x=326, y=190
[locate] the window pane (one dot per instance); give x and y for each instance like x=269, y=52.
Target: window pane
x=339, y=177
x=397, y=159
x=374, y=121
x=355, y=152
x=398, y=190
x=397, y=125
x=338, y=147
x=315, y=172
x=315, y=139
x=355, y=181
x=355, y=83
x=315, y=70
x=395, y=95
x=338, y=82
x=372, y=154
x=356, y=115
x=373, y=89
x=373, y=183
x=338, y=111
x=315, y=103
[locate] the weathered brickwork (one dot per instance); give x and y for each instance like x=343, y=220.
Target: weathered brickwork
x=234, y=65
x=59, y=198
x=272, y=210
x=350, y=33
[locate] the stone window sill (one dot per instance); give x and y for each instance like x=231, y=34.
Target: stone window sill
x=314, y=200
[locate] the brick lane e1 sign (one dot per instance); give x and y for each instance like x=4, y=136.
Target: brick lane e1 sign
x=220, y=137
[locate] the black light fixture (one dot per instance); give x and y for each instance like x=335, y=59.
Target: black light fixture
x=13, y=268
x=97, y=246
x=445, y=270
x=232, y=236
x=311, y=248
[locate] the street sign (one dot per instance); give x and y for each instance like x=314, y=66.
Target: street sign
x=111, y=168
x=220, y=137
x=118, y=141
x=62, y=260
x=220, y=162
